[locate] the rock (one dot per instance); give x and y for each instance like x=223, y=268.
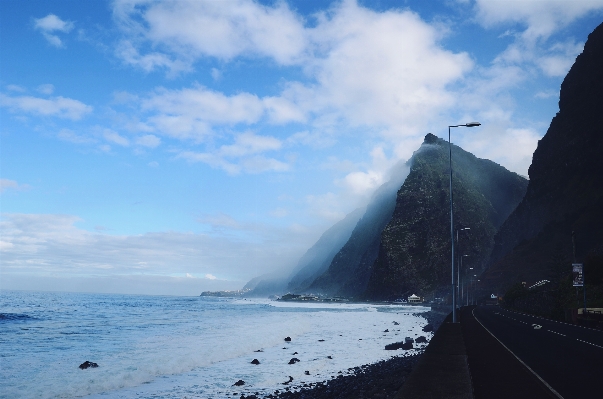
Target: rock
x=428, y=328
x=409, y=339
x=306, y=372
x=396, y=323
x=386, y=330
x=88, y=364
x=321, y=340
x=239, y=383
x=329, y=357
x=421, y=340
x=255, y=361
x=407, y=345
x=287, y=382
x=259, y=350
x=295, y=353
x=288, y=339
x=294, y=360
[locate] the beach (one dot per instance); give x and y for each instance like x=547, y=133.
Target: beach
x=175, y=347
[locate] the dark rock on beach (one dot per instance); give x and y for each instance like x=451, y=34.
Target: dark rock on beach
x=294, y=360
x=88, y=364
x=288, y=339
x=239, y=383
x=379, y=380
x=255, y=361
x=421, y=340
x=399, y=345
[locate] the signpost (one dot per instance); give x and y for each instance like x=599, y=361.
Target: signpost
x=578, y=277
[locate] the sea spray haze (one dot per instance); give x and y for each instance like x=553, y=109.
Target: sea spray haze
x=172, y=347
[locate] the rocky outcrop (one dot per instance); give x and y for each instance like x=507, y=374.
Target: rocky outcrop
x=414, y=250
x=565, y=192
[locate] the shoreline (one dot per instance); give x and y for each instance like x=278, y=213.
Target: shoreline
x=383, y=379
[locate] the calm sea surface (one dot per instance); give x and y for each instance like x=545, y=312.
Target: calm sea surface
x=177, y=347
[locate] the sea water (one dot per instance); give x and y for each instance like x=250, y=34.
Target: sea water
x=186, y=347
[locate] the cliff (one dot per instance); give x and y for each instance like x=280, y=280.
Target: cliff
x=565, y=191
x=414, y=249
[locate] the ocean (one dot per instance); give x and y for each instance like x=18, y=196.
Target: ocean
x=186, y=347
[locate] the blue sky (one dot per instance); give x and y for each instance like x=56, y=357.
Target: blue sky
x=174, y=147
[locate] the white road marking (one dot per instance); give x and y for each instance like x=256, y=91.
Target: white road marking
x=555, y=332
x=516, y=357
x=590, y=343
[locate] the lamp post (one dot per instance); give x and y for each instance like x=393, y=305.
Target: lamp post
x=460, y=282
x=470, y=124
x=469, y=287
x=459, y=264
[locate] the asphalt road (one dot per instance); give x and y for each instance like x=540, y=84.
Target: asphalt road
x=566, y=360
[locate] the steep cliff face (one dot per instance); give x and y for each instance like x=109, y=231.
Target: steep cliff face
x=414, y=249
x=317, y=259
x=349, y=272
x=565, y=192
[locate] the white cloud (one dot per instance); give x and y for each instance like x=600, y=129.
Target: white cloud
x=115, y=138
x=7, y=184
x=51, y=24
x=210, y=276
x=61, y=107
x=325, y=206
x=547, y=94
x=16, y=88
x=541, y=17
x=190, y=113
x=72, y=137
x=244, y=155
x=53, y=244
x=511, y=147
x=47, y=89
x=148, y=62
x=149, y=141
x=541, y=20
x=216, y=74
x=230, y=29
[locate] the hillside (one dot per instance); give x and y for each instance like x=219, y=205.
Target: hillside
x=414, y=248
x=349, y=271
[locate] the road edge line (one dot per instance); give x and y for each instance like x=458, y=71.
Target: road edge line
x=521, y=361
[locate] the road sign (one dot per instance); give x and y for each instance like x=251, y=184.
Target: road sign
x=577, y=274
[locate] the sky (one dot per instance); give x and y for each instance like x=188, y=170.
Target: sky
x=179, y=146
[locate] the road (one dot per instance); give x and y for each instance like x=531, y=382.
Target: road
x=565, y=360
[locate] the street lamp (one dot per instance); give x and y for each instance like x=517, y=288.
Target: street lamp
x=469, y=287
x=459, y=283
x=459, y=263
x=470, y=124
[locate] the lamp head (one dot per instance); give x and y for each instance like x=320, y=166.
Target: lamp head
x=472, y=124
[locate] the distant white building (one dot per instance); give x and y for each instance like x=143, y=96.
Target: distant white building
x=414, y=299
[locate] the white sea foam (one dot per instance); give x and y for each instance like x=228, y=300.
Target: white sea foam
x=170, y=347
